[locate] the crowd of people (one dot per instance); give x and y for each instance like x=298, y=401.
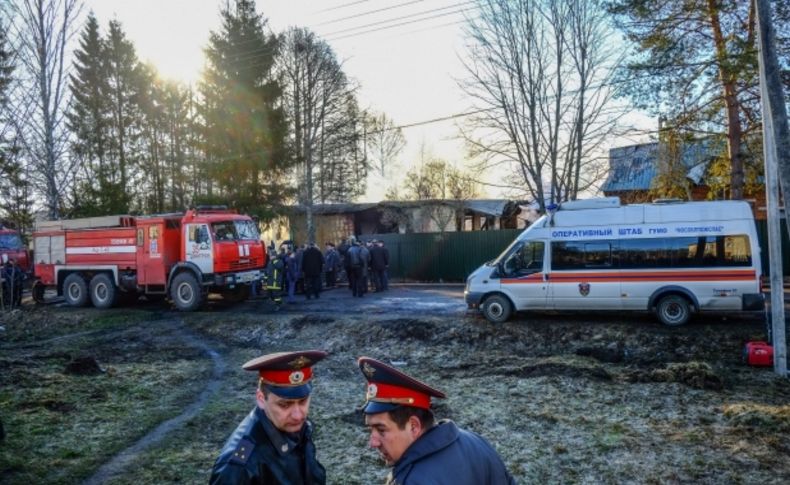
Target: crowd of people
x=364, y=264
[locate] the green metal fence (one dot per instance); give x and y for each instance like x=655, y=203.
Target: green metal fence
x=762, y=235
x=448, y=256
x=451, y=256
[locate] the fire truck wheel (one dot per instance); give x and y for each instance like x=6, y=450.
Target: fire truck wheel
x=497, y=308
x=673, y=310
x=185, y=292
x=75, y=291
x=103, y=291
x=37, y=292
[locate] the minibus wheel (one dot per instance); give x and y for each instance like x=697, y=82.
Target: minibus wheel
x=497, y=308
x=673, y=310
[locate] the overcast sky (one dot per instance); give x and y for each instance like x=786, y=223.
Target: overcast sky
x=408, y=71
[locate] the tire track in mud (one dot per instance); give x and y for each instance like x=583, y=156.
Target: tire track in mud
x=119, y=462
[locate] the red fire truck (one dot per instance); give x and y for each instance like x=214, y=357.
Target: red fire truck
x=12, y=248
x=183, y=256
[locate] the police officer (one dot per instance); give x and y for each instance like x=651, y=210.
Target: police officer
x=417, y=447
x=273, y=445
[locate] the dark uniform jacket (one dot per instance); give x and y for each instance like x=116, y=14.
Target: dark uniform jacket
x=446, y=454
x=258, y=453
x=332, y=260
x=379, y=258
x=312, y=261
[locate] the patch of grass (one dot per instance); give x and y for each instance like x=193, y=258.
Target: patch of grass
x=60, y=428
x=40, y=323
x=118, y=317
x=760, y=416
x=608, y=441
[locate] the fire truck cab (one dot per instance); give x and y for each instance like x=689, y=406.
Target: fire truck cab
x=180, y=256
x=12, y=248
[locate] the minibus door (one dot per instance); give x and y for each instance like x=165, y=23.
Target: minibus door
x=584, y=276
x=524, y=277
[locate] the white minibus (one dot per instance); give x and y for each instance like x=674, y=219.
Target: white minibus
x=669, y=257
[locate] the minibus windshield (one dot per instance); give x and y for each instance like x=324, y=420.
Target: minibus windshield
x=517, y=241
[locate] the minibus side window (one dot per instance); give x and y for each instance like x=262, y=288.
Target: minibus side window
x=525, y=260
x=597, y=254
x=735, y=250
x=567, y=255
x=685, y=252
x=581, y=255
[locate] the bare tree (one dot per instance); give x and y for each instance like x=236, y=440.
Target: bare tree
x=322, y=110
x=445, y=185
x=384, y=140
x=538, y=74
x=42, y=31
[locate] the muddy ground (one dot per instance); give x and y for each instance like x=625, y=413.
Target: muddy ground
x=145, y=395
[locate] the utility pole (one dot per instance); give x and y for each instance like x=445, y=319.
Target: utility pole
x=776, y=143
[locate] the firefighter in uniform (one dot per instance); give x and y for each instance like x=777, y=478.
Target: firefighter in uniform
x=273, y=276
x=419, y=449
x=274, y=445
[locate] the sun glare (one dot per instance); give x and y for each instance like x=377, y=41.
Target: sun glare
x=170, y=35
x=176, y=66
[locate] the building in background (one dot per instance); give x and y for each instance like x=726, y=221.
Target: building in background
x=335, y=222
x=633, y=171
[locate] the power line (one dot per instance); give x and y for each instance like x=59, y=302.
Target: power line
x=403, y=17
x=370, y=12
x=446, y=14
x=483, y=110
x=338, y=7
x=252, y=54
x=259, y=52
x=432, y=27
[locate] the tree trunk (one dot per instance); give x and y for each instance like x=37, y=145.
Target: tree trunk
x=734, y=132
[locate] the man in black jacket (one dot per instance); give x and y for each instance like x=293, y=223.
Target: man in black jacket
x=274, y=445
x=379, y=261
x=312, y=265
x=417, y=447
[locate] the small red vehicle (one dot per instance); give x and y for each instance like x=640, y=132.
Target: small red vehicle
x=180, y=256
x=12, y=248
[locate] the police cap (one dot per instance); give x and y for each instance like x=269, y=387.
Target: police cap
x=389, y=388
x=287, y=374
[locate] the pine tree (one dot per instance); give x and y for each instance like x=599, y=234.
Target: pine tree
x=243, y=121
x=696, y=62
x=6, y=70
x=177, y=124
x=88, y=121
x=125, y=81
x=16, y=200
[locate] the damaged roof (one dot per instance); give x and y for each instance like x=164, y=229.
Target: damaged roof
x=634, y=167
